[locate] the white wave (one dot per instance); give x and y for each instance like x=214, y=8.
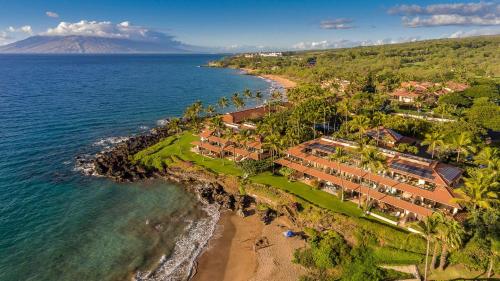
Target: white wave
x=179, y=265
x=85, y=165
x=162, y=122
x=144, y=128
x=107, y=142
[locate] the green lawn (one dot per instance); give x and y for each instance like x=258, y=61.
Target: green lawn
x=317, y=197
x=392, y=256
x=166, y=151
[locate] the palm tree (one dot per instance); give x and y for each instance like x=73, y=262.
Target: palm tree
x=258, y=96
x=428, y=227
x=340, y=156
x=489, y=157
x=229, y=133
x=478, y=191
x=223, y=103
x=433, y=140
x=218, y=126
x=373, y=161
x=453, y=236
x=174, y=125
x=245, y=137
x=462, y=144
x=238, y=102
x=272, y=142
x=361, y=124
x=378, y=118
x=439, y=236
x=210, y=110
x=495, y=250
x=247, y=93
x=276, y=96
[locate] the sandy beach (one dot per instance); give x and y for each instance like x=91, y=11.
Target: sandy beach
x=231, y=254
x=283, y=81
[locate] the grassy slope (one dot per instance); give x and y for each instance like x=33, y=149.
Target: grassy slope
x=179, y=147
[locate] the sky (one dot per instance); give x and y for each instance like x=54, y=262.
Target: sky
x=243, y=25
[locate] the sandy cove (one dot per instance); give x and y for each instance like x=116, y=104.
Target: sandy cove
x=283, y=81
x=231, y=254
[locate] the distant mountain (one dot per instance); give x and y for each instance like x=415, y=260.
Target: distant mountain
x=77, y=44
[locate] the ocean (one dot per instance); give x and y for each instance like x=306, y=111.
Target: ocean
x=58, y=224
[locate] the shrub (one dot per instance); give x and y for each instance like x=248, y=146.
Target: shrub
x=475, y=255
x=252, y=167
x=286, y=172
x=328, y=249
x=304, y=257
x=363, y=267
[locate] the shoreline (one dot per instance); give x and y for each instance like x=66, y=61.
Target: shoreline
x=232, y=254
x=284, y=82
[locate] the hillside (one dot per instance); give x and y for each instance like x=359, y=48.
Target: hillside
x=388, y=65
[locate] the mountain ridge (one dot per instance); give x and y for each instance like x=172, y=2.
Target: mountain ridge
x=79, y=44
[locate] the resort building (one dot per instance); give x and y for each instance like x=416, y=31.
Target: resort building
x=237, y=146
x=389, y=138
x=408, y=188
x=410, y=91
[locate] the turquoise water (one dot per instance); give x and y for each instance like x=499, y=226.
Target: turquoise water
x=57, y=224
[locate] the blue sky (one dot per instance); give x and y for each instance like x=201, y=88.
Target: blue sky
x=272, y=24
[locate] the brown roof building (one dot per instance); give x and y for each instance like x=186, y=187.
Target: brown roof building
x=216, y=143
x=409, y=91
x=389, y=138
x=409, y=188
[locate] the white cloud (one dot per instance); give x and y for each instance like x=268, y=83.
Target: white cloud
x=442, y=9
x=5, y=38
x=24, y=29
x=325, y=44
x=125, y=30
x=52, y=14
x=466, y=14
x=475, y=32
x=336, y=24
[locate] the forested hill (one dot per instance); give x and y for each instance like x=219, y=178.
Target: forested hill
x=433, y=60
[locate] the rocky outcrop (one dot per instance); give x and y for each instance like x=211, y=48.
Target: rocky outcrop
x=115, y=163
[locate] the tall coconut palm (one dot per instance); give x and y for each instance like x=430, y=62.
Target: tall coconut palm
x=230, y=135
x=495, y=251
x=488, y=157
x=276, y=96
x=462, y=144
x=247, y=93
x=373, y=161
x=174, y=125
x=428, y=227
x=340, y=156
x=238, y=102
x=360, y=123
x=210, y=110
x=246, y=136
x=377, y=119
x=479, y=191
x=437, y=237
x=433, y=140
x=223, y=103
x=272, y=142
x=453, y=237
x=218, y=126
x=258, y=97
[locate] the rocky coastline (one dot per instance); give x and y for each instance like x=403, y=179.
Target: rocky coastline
x=115, y=164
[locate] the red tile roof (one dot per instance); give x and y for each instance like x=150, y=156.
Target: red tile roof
x=389, y=199
x=440, y=194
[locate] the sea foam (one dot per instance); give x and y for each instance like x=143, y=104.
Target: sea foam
x=179, y=265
